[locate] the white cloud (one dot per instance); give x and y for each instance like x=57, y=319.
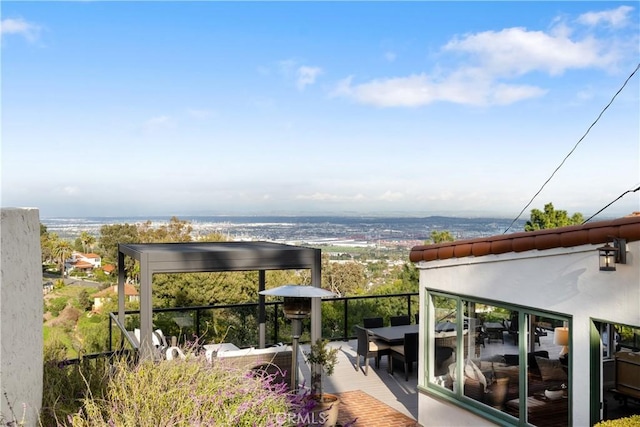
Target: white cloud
x=419, y=90
x=157, y=123
x=307, y=76
x=304, y=75
x=517, y=51
x=503, y=94
x=390, y=56
x=614, y=18
x=19, y=26
x=287, y=67
x=491, y=62
x=391, y=196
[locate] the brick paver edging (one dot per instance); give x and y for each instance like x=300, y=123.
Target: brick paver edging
x=370, y=412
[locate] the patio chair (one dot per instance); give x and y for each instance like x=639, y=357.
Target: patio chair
x=369, y=347
x=157, y=338
x=373, y=322
x=407, y=353
x=400, y=320
x=175, y=353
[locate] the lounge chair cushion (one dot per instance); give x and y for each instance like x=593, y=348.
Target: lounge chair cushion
x=471, y=371
x=551, y=369
x=398, y=349
x=375, y=345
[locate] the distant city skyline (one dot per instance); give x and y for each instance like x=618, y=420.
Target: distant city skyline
x=319, y=108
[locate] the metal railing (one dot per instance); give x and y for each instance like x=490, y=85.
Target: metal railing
x=238, y=323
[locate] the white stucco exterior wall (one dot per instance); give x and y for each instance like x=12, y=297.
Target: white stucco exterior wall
x=562, y=280
x=21, y=340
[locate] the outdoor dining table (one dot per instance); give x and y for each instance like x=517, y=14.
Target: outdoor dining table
x=494, y=330
x=393, y=335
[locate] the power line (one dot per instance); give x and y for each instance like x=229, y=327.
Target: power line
x=617, y=198
x=574, y=148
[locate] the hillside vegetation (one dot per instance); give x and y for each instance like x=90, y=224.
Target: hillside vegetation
x=70, y=320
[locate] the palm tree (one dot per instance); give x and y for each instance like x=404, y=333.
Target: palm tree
x=62, y=250
x=87, y=241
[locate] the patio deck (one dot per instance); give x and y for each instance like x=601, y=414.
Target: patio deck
x=377, y=399
x=382, y=399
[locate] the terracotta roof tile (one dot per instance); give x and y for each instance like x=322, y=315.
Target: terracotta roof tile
x=82, y=264
x=594, y=233
x=129, y=290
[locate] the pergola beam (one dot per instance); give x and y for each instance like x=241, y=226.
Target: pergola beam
x=214, y=257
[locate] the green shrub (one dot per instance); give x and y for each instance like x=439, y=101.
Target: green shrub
x=56, y=305
x=181, y=392
x=65, y=386
x=632, y=421
x=189, y=392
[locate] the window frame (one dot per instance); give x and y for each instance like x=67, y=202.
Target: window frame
x=457, y=397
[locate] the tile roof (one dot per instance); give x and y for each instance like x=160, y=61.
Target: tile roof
x=594, y=233
x=129, y=290
x=89, y=255
x=82, y=264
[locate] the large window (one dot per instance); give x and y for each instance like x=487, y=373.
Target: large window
x=510, y=363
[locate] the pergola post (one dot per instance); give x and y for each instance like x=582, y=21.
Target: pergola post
x=191, y=257
x=262, y=315
x=121, y=279
x=146, y=310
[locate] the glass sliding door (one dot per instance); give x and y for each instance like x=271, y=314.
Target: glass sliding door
x=500, y=359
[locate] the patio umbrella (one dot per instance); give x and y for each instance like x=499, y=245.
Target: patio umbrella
x=297, y=306
x=298, y=291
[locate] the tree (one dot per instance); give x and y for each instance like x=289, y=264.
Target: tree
x=343, y=278
x=111, y=235
x=440, y=237
x=47, y=242
x=61, y=251
x=87, y=241
x=84, y=300
x=176, y=231
x=213, y=237
x=551, y=218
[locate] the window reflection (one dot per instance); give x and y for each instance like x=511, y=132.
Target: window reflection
x=490, y=363
x=445, y=339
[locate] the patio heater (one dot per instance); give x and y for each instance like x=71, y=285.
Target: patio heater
x=297, y=306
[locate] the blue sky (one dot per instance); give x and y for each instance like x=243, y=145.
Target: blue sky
x=416, y=108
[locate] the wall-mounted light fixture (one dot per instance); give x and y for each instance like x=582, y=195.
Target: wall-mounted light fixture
x=611, y=255
x=297, y=306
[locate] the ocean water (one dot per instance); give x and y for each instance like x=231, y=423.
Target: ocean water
x=305, y=228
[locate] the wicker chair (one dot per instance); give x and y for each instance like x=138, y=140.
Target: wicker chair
x=407, y=353
x=369, y=347
x=400, y=320
x=373, y=322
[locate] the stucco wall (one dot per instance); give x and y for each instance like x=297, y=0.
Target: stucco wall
x=563, y=280
x=21, y=340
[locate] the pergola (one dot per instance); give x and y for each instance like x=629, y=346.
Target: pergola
x=214, y=257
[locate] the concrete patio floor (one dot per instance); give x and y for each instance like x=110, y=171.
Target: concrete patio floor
x=395, y=400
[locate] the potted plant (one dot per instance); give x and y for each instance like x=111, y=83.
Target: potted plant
x=322, y=360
